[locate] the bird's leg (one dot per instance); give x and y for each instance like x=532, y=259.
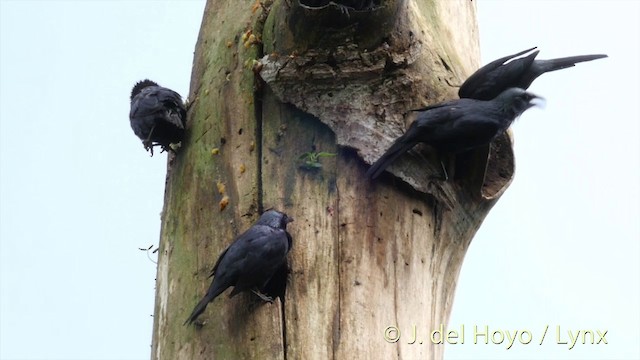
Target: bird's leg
x=262, y=296
x=147, y=141
x=444, y=170
x=447, y=166
x=343, y=9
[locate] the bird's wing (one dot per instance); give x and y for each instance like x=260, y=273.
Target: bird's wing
x=259, y=241
x=496, y=76
x=435, y=106
x=425, y=128
x=467, y=130
x=172, y=100
x=265, y=242
x=159, y=101
x=499, y=62
x=215, y=266
x=465, y=126
x=440, y=114
x=146, y=103
x=262, y=250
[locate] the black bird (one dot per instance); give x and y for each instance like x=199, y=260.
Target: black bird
x=508, y=72
x=458, y=125
x=250, y=261
x=157, y=115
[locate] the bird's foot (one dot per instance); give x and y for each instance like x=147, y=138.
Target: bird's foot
x=262, y=296
x=169, y=148
x=174, y=147
x=148, y=146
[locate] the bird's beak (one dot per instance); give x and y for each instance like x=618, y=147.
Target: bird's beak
x=289, y=219
x=538, y=101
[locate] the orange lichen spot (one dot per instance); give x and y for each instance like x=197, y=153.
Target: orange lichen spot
x=249, y=38
x=245, y=36
x=224, y=202
x=242, y=168
x=256, y=66
x=256, y=5
x=221, y=188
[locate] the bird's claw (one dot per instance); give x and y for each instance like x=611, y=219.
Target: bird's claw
x=262, y=296
x=148, y=147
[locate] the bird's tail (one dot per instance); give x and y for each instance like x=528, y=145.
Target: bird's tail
x=199, y=309
x=566, y=62
x=398, y=148
x=213, y=292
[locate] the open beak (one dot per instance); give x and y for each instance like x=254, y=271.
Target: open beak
x=538, y=101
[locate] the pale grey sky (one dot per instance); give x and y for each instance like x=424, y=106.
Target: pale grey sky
x=78, y=195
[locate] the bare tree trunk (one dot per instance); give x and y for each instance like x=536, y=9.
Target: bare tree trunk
x=367, y=256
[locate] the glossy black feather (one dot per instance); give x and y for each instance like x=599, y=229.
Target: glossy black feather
x=509, y=71
x=157, y=115
x=251, y=260
x=458, y=125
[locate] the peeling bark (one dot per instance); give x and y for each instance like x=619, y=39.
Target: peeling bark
x=365, y=94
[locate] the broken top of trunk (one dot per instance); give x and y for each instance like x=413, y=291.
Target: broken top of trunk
x=389, y=60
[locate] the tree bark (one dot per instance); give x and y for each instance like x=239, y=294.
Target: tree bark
x=368, y=257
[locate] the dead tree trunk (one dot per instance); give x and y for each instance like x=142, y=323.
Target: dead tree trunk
x=273, y=85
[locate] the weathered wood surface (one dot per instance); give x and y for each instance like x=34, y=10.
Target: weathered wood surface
x=366, y=255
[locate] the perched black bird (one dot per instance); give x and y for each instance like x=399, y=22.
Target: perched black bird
x=157, y=115
x=251, y=260
x=508, y=72
x=458, y=125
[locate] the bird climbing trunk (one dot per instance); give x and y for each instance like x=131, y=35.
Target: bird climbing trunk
x=290, y=100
